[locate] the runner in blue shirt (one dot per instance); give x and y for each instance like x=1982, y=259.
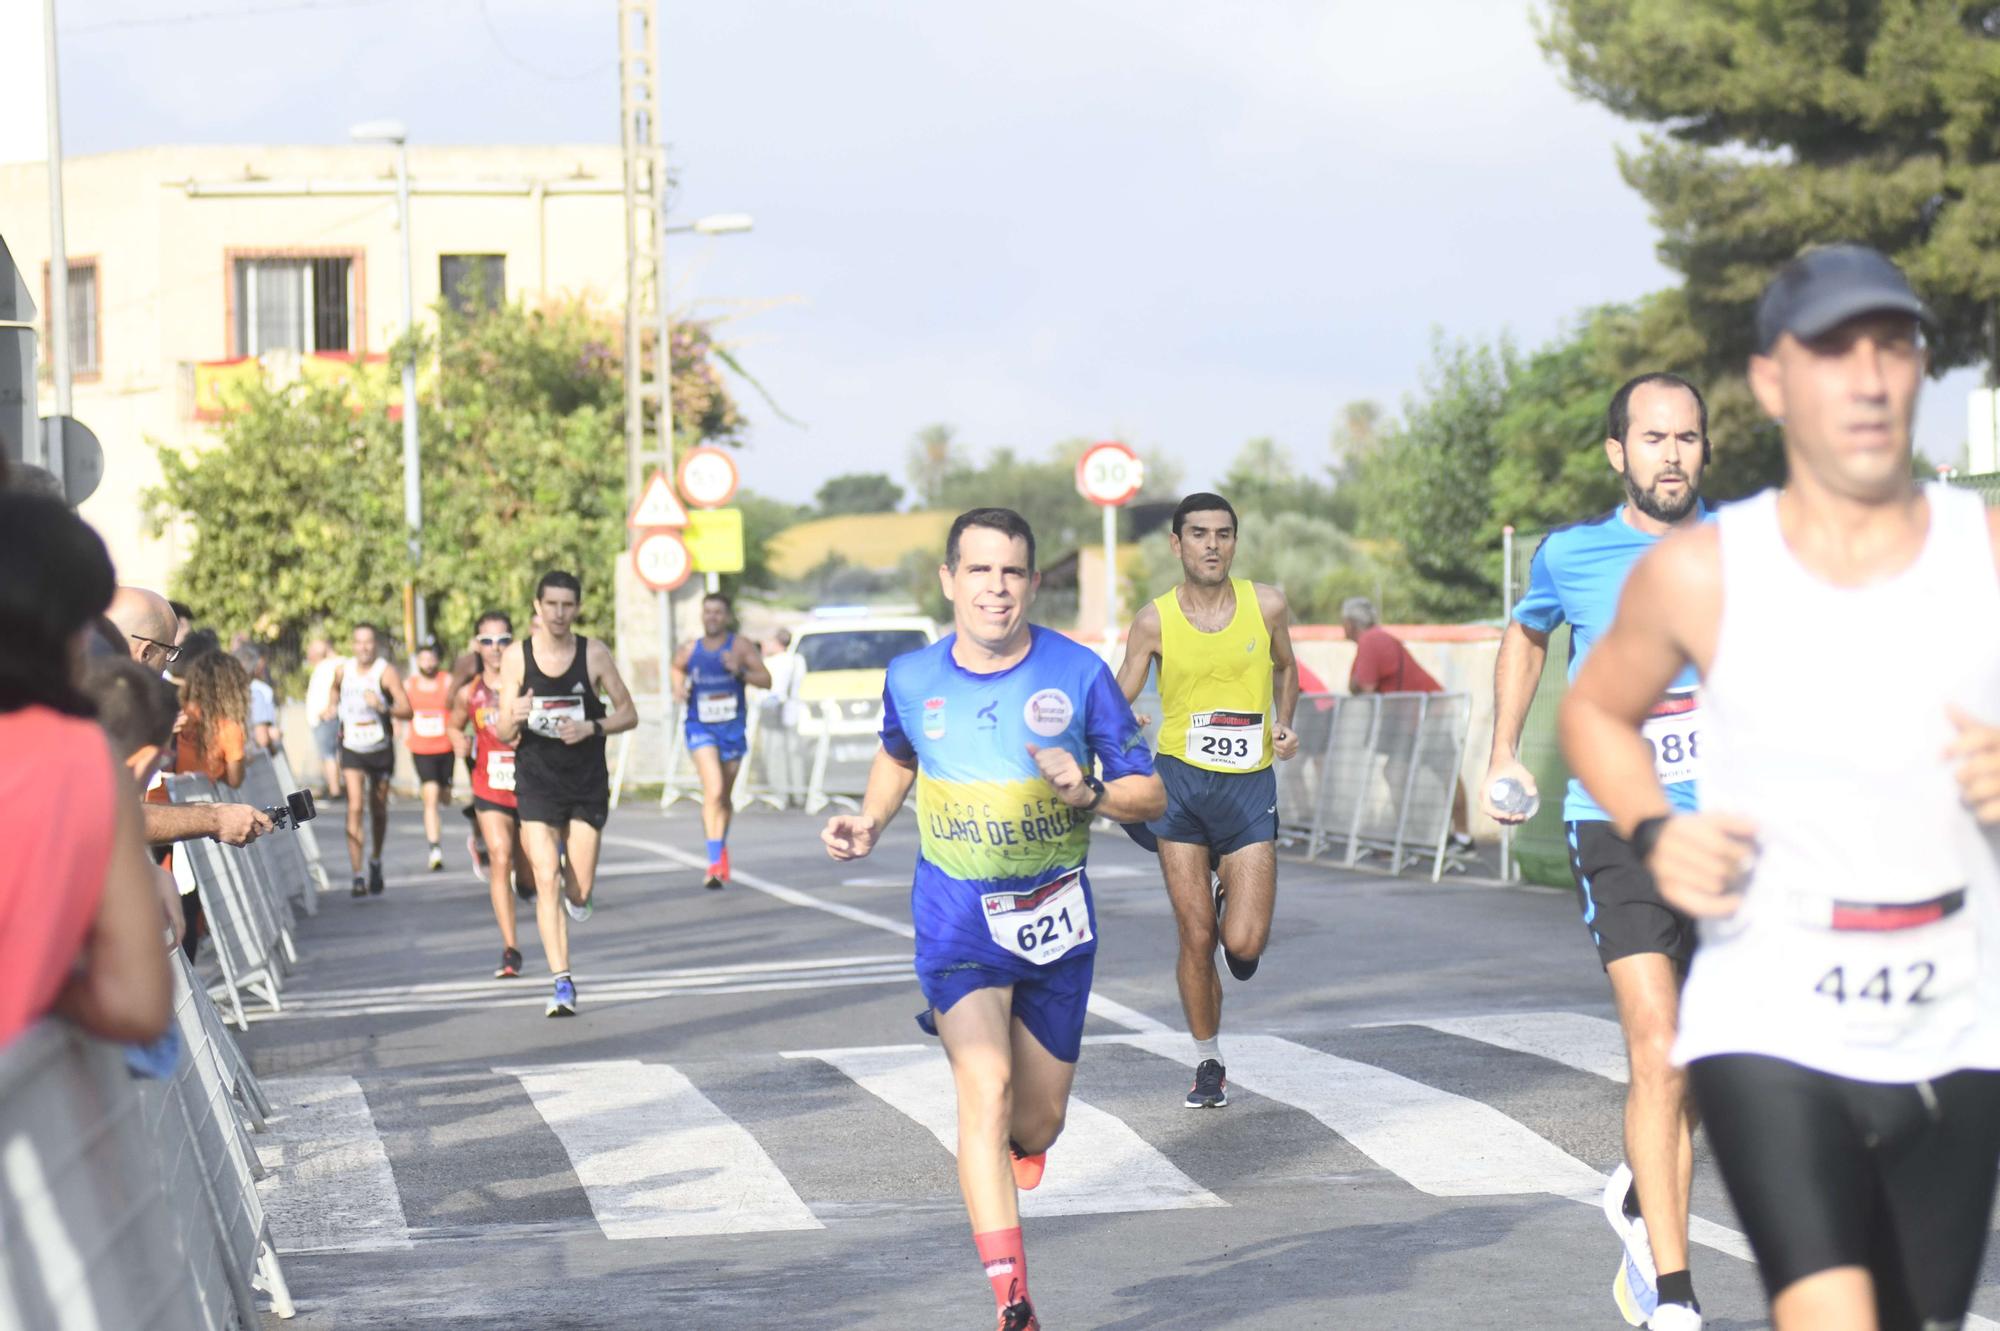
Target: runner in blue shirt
x=997, y=726
x=1657, y=440
x=708, y=678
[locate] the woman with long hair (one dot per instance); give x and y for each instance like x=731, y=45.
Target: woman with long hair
x=215, y=700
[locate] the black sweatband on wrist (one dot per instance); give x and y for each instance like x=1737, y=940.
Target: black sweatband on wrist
x=1646, y=835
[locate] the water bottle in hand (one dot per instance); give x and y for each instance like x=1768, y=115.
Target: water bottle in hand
x=1511, y=796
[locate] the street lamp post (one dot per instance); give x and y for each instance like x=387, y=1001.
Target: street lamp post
x=392, y=131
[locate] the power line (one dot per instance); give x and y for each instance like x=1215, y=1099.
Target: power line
x=209, y=15
x=530, y=67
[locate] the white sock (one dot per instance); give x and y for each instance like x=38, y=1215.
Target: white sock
x=1207, y=1049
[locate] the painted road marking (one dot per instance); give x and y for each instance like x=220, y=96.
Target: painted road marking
x=1588, y=1044
x=330, y=1185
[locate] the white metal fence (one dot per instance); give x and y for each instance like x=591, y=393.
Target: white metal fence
x=1374, y=777
x=129, y=1201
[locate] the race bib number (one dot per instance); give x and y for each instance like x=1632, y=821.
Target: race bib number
x=714, y=709
x=428, y=725
x=500, y=769
x=364, y=734
x=1914, y=989
x=546, y=715
x=1043, y=923
x=1234, y=740
x=1674, y=732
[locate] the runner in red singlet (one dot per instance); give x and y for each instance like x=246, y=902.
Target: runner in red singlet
x=477, y=704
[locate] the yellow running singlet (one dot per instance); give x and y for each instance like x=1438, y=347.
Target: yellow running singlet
x=1215, y=688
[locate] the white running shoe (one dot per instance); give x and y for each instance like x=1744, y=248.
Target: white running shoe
x=437, y=857
x=1635, y=1287
x=576, y=912
x=1675, y=1317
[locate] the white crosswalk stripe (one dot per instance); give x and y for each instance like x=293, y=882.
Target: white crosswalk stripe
x=656, y=1157
x=527, y=992
x=331, y=1186
x=1442, y=1143
x=1586, y=1043
x=1099, y=1166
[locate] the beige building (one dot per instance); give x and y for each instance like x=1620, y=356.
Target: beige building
x=189, y=263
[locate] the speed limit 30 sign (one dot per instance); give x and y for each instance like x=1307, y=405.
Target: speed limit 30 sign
x=1109, y=474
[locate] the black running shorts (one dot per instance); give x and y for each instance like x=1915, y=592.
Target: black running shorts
x=1622, y=908
x=562, y=807
x=1828, y=1172
x=380, y=763
x=434, y=767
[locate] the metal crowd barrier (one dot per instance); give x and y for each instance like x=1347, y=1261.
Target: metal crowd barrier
x=1375, y=774
x=785, y=764
x=88, y=1234
x=249, y=892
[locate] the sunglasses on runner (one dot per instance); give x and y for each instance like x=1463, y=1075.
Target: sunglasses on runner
x=505, y=639
x=173, y=652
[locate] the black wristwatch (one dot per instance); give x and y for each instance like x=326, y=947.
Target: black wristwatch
x=1646, y=835
x=598, y=726
x=1096, y=786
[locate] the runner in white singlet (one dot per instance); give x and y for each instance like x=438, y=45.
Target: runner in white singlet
x=1841, y=1021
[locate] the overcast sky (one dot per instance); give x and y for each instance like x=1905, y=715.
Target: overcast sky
x=1182, y=224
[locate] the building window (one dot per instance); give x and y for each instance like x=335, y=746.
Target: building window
x=473, y=282
x=300, y=305
x=83, y=329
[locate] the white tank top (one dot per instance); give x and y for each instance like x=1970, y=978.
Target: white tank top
x=1826, y=726
x=362, y=728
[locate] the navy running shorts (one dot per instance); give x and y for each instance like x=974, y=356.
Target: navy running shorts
x=1224, y=811
x=1051, y=1002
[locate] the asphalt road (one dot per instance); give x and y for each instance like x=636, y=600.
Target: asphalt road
x=741, y=1129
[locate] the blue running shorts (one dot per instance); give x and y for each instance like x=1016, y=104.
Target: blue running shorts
x=727, y=740
x=1050, y=1001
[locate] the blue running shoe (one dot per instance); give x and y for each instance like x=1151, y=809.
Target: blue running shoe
x=562, y=1003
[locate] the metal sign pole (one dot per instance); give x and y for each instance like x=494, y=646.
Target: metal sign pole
x=1110, y=579
x=52, y=441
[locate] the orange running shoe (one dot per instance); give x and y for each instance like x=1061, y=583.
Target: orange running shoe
x=1027, y=1168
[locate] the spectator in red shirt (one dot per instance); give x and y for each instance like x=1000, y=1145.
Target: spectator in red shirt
x=1382, y=664
x=80, y=933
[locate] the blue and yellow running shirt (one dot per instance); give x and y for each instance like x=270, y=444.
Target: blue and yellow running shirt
x=994, y=837
x=1575, y=578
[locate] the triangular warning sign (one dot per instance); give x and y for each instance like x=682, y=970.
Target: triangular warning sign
x=658, y=506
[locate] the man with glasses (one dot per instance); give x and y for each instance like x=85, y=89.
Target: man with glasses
x=147, y=621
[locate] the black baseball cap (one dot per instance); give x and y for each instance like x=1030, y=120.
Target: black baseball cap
x=1824, y=288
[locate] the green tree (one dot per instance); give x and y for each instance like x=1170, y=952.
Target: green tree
x=763, y=518
x=1430, y=483
x=297, y=509
x=1788, y=123
x=859, y=492
x=934, y=456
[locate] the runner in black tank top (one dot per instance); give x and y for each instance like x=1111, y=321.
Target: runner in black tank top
x=560, y=781
x=550, y=711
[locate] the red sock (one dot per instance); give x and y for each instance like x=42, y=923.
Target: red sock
x=1006, y=1264
x=723, y=863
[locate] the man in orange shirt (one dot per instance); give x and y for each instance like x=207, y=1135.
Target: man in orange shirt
x=429, y=740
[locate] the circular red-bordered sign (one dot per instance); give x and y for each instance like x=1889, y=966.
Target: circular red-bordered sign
x=1109, y=474
x=708, y=477
x=661, y=560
